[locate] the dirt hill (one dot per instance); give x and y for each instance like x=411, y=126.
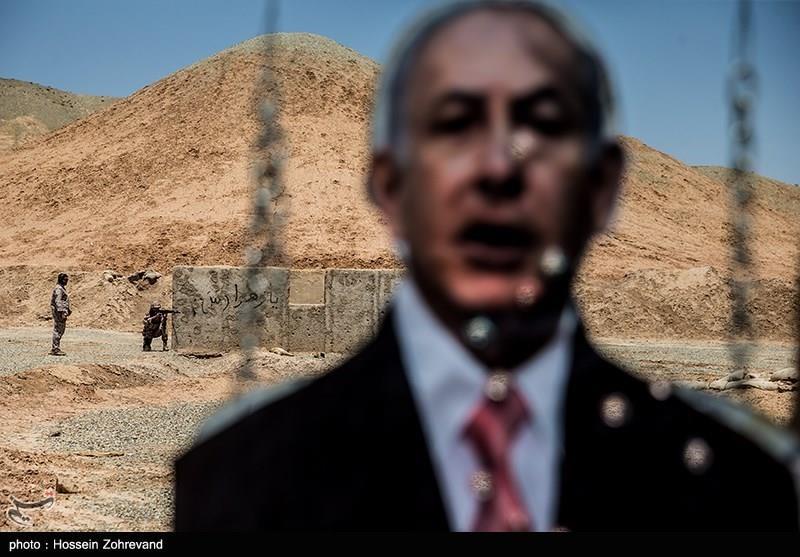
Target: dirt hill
x=163, y=178
x=95, y=302
x=29, y=110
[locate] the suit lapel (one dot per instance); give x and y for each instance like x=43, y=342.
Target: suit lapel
x=607, y=467
x=579, y=421
x=402, y=469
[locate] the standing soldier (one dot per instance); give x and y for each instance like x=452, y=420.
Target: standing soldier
x=155, y=325
x=59, y=305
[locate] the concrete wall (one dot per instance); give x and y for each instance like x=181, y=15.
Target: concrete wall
x=330, y=310
x=212, y=302
x=307, y=286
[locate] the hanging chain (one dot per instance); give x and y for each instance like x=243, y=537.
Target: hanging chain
x=796, y=417
x=742, y=95
x=263, y=242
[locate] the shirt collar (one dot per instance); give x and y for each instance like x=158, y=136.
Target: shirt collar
x=446, y=379
x=542, y=380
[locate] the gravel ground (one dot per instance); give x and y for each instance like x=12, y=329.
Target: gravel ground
x=149, y=433
x=138, y=491
x=151, y=509
x=113, y=449
x=27, y=347
x=133, y=491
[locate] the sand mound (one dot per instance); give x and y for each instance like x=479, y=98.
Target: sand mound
x=96, y=303
x=162, y=178
x=673, y=216
x=81, y=379
x=688, y=304
x=29, y=110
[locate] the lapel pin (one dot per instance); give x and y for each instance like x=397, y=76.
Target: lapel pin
x=482, y=486
x=479, y=331
x=497, y=386
x=553, y=262
x=697, y=456
x=660, y=390
x=615, y=410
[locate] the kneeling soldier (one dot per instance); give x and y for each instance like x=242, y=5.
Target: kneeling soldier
x=155, y=325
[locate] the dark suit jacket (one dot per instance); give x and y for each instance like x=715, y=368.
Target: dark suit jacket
x=347, y=452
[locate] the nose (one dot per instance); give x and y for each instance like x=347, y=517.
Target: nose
x=497, y=157
x=500, y=175
x=501, y=189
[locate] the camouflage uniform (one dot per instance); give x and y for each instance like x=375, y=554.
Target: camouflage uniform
x=155, y=325
x=59, y=305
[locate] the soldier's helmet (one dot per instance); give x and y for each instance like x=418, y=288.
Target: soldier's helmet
x=154, y=307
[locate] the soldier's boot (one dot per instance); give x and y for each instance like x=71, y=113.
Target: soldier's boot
x=146, y=345
x=55, y=350
x=164, y=348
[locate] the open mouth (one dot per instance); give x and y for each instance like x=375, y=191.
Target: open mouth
x=496, y=247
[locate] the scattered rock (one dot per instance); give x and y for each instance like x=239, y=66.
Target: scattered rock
x=201, y=355
x=762, y=384
x=148, y=277
x=319, y=354
x=54, y=433
x=151, y=277
x=281, y=352
x=756, y=383
x=111, y=276
x=66, y=486
x=98, y=454
x=739, y=375
x=786, y=374
x=718, y=385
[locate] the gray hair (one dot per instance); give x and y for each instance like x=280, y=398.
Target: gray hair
x=387, y=119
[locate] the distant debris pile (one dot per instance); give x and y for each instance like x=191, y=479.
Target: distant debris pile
x=780, y=381
x=787, y=374
x=111, y=276
x=151, y=277
x=140, y=278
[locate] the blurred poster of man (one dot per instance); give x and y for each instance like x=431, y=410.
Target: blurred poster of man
x=59, y=307
x=480, y=404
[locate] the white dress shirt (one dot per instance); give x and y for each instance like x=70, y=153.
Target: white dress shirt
x=447, y=384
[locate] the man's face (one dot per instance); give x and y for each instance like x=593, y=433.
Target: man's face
x=494, y=149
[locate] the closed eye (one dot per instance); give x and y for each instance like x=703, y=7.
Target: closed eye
x=454, y=125
x=544, y=112
x=456, y=113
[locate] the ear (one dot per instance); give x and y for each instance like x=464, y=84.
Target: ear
x=606, y=189
x=383, y=185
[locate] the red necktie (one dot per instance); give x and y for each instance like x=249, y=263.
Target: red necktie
x=492, y=430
